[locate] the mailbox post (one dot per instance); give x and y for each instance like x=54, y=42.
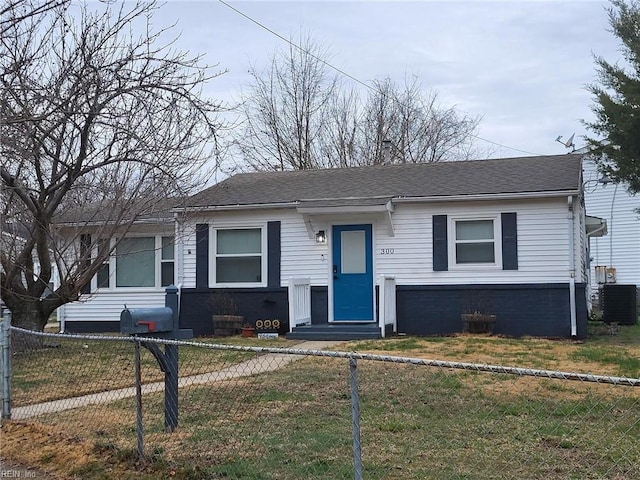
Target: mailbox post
x=162, y=322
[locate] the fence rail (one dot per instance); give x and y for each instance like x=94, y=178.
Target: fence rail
x=272, y=412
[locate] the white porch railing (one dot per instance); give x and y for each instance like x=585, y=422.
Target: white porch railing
x=387, y=303
x=299, y=302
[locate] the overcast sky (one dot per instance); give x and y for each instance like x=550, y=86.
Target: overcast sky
x=521, y=65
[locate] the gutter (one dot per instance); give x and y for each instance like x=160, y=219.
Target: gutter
x=394, y=199
x=483, y=196
x=336, y=209
x=62, y=318
x=223, y=208
x=97, y=223
x=179, y=246
x=572, y=269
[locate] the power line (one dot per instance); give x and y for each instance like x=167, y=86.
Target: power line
x=348, y=75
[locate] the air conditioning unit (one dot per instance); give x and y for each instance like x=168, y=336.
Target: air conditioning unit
x=619, y=304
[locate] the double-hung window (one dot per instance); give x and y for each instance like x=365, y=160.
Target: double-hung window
x=475, y=241
x=102, y=278
x=238, y=257
x=146, y=262
x=136, y=262
x=167, y=262
x=485, y=242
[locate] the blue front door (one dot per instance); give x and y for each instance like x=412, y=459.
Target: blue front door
x=352, y=273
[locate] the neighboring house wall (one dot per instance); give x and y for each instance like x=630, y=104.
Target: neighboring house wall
x=531, y=299
x=620, y=248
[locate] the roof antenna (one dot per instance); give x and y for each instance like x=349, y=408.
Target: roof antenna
x=569, y=143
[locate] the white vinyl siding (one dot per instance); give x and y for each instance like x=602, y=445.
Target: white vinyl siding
x=301, y=255
x=186, y=275
x=106, y=305
x=543, y=244
x=620, y=248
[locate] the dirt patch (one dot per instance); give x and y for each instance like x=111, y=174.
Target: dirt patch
x=14, y=470
x=55, y=453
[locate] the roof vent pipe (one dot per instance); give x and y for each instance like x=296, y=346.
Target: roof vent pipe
x=386, y=149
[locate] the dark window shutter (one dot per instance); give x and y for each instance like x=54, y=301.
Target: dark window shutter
x=273, y=254
x=85, y=253
x=440, y=255
x=509, y=241
x=202, y=255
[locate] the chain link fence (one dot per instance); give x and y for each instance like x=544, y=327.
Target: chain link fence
x=273, y=413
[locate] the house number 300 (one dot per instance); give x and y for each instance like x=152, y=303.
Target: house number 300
x=386, y=251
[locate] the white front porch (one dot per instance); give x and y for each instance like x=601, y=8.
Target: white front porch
x=300, y=315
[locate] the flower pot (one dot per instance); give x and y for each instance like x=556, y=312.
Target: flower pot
x=478, y=322
x=226, y=325
x=247, y=331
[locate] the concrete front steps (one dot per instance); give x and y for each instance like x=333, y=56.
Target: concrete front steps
x=336, y=331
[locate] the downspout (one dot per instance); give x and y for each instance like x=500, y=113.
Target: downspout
x=572, y=269
x=62, y=320
x=179, y=246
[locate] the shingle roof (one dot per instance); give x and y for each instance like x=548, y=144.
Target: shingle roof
x=476, y=177
x=155, y=211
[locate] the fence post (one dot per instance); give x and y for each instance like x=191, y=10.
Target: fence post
x=355, y=418
x=171, y=388
x=5, y=346
x=139, y=425
x=171, y=358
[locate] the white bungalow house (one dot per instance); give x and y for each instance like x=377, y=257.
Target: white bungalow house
x=405, y=248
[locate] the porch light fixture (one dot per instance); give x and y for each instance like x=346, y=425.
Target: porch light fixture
x=321, y=237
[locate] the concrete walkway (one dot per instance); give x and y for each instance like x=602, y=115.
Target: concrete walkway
x=261, y=363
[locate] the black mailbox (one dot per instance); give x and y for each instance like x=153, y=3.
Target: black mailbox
x=146, y=320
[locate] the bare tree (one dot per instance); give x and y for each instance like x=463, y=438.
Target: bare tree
x=419, y=129
x=341, y=141
x=99, y=126
x=16, y=11
x=297, y=116
x=283, y=116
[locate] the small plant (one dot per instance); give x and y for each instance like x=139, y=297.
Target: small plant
x=476, y=317
x=478, y=302
x=223, y=303
x=226, y=319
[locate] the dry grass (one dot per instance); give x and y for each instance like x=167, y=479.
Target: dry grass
x=536, y=353
x=84, y=367
x=417, y=422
